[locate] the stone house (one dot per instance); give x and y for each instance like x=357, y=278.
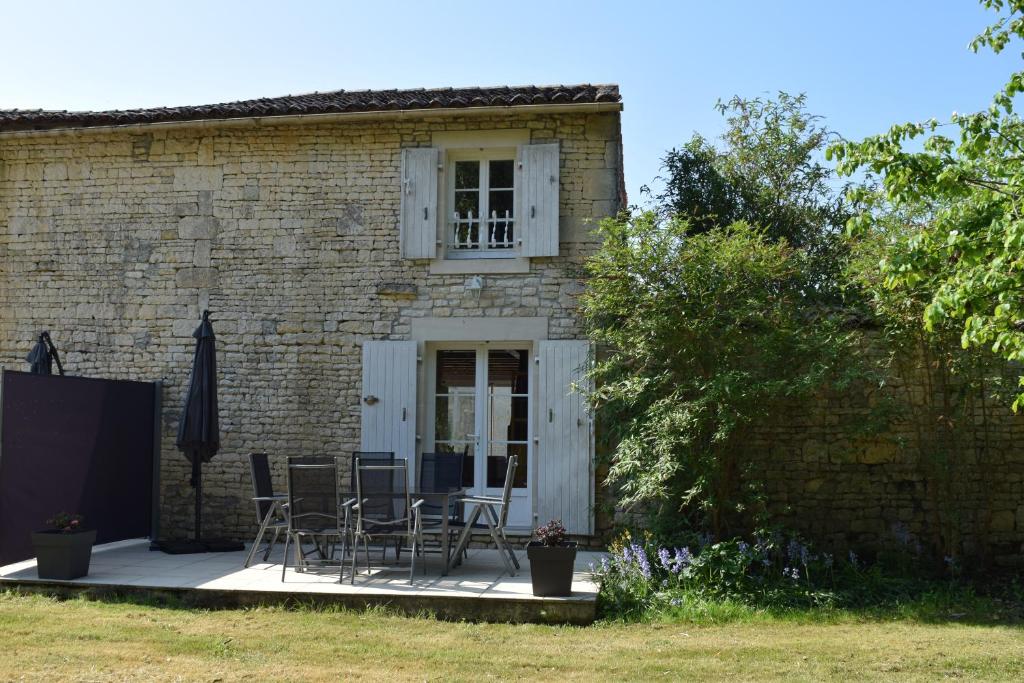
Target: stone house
x=387, y=270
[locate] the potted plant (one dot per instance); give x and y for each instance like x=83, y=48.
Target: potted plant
x=64, y=550
x=551, y=560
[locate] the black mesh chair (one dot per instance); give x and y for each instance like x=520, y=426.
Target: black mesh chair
x=367, y=458
x=313, y=510
x=384, y=511
x=440, y=472
x=271, y=508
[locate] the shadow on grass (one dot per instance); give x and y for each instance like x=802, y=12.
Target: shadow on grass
x=186, y=601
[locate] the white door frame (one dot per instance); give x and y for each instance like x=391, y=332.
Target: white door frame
x=518, y=518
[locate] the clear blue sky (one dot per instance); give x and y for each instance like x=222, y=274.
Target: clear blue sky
x=864, y=64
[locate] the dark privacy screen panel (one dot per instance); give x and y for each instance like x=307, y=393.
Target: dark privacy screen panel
x=77, y=445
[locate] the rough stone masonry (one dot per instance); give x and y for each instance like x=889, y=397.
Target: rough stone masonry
x=115, y=240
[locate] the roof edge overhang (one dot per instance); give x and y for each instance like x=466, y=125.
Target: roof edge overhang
x=385, y=115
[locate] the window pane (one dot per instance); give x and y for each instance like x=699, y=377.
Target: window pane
x=467, y=175
x=455, y=369
x=466, y=201
x=455, y=401
x=508, y=416
x=502, y=173
x=509, y=368
x=501, y=202
x=497, y=465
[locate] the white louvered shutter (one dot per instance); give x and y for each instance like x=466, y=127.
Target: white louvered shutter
x=565, y=453
x=419, y=202
x=538, y=200
x=389, y=398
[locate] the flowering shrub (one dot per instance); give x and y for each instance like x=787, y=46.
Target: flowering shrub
x=551, y=534
x=773, y=569
x=65, y=522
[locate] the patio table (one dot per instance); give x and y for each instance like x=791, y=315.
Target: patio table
x=440, y=499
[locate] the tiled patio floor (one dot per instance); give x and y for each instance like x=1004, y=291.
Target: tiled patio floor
x=479, y=589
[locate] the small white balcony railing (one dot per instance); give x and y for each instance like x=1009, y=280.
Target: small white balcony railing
x=464, y=232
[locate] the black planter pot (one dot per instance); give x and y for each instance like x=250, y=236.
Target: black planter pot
x=63, y=556
x=551, y=568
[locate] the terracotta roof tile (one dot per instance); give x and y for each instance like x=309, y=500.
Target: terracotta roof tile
x=317, y=103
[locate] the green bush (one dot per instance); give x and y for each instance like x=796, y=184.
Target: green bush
x=705, y=338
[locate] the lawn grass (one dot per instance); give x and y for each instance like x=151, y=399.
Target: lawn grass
x=47, y=639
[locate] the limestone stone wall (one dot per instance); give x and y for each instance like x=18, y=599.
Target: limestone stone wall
x=115, y=241
x=900, y=470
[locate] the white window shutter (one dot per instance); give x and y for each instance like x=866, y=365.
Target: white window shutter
x=388, y=398
x=537, y=220
x=418, y=231
x=565, y=453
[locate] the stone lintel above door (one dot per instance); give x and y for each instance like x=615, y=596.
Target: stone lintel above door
x=479, y=329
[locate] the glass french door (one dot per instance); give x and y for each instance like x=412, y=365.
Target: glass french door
x=481, y=407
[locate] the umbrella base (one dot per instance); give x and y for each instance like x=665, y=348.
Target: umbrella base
x=223, y=545
x=189, y=547
x=179, y=547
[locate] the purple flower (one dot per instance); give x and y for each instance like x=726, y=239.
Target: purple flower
x=793, y=550
x=853, y=559
x=792, y=573
x=682, y=560
x=676, y=602
x=664, y=558
x=627, y=556
x=828, y=560
x=641, y=560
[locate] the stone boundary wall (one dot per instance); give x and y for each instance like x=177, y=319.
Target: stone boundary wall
x=116, y=240
x=892, y=470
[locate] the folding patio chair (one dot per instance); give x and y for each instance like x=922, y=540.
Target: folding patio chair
x=384, y=511
x=313, y=510
x=368, y=458
x=494, y=512
x=440, y=472
x=271, y=508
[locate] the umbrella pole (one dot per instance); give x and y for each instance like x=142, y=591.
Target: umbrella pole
x=197, y=481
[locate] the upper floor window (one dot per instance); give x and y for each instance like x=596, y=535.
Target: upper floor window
x=482, y=222
x=461, y=202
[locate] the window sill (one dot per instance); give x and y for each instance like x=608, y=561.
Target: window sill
x=480, y=266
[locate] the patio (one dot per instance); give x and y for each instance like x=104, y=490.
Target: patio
x=477, y=590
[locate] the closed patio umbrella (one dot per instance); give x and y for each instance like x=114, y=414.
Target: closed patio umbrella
x=199, y=429
x=42, y=356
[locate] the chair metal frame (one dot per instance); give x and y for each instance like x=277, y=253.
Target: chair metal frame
x=320, y=535
x=494, y=521
x=390, y=528
x=276, y=516
x=377, y=457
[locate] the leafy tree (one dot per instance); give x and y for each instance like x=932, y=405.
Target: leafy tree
x=706, y=336
x=766, y=173
x=967, y=258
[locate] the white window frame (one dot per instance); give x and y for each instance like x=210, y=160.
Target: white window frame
x=484, y=156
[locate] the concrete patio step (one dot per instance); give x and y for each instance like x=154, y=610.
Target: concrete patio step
x=478, y=590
